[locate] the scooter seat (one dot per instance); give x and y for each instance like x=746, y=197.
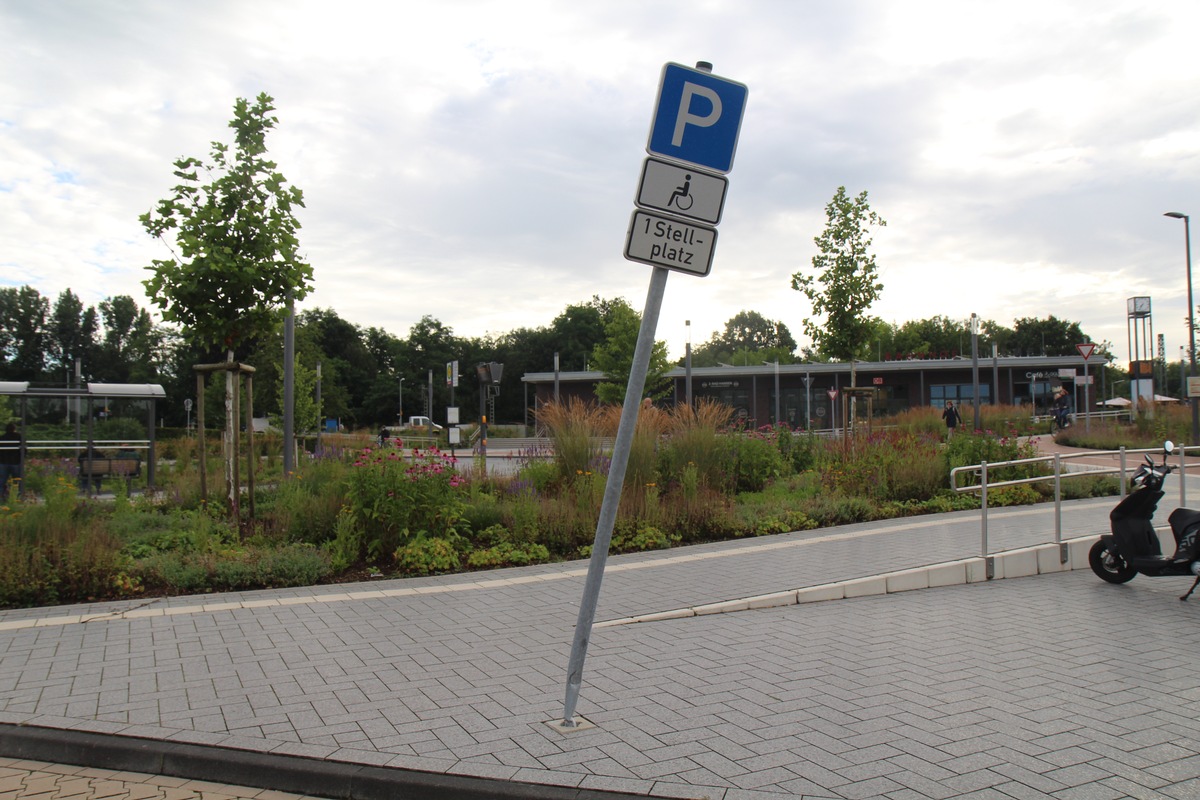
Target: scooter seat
x=1183, y=518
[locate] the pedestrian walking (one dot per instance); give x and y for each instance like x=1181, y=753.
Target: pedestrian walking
x=952, y=418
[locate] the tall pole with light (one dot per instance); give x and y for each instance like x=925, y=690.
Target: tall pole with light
x=320, y=414
x=1187, y=239
x=975, y=367
x=687, y=363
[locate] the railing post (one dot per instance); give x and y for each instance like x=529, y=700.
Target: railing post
x=983, y=509
x=1183, y=476
x=1057, y=498
x=1122, y=476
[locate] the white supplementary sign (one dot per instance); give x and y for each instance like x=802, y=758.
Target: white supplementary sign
x=671, y=243
x=682, y=191
x=1193, y=387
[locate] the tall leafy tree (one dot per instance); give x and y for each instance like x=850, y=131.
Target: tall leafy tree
x=844, y=282
x=22, y=333
x=430, y=346
x=748, y=338
x=614, y=356
x=129, y=349
x=71, y=334
x=1050, y=337
x=752, y=331
x=577, y=331
x=235, y=256
x=935, y=336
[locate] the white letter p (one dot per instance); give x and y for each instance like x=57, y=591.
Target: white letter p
x=685, y=117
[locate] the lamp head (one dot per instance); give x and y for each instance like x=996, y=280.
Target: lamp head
x=1175, y=215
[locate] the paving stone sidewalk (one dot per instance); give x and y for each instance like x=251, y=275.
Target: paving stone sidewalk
x=45, y=781
x=1050, y=686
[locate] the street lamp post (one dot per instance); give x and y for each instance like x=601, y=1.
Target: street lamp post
x=975, y=367
x=687, y=363
x=401, y=398
x=1187, y=239
x=320, y=416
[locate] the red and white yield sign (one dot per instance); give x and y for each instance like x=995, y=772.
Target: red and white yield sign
x=1086, y=349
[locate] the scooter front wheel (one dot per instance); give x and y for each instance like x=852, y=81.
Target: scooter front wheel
x=1108, y=564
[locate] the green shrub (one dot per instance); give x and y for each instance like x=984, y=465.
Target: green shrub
x=507, y=554
x=57, y=550
x=293, y=565
x=797, y=448
x=393, y=502
x=349, y=543
x=427, y=555
x=756, y=461
x=235, y=569
x=522, y=515
x=831, y=509
x=303, y=508
x=965, y=449
x=540, y=474
x=694, y=437
x=482, y=511
x=1020, y=495
x=637, y=537
x=574, y=427
x=1078, y=488
x=941, y=503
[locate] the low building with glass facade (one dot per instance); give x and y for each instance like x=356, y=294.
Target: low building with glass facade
x=809, y=394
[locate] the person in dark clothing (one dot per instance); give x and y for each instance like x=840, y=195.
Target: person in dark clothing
x=952, y=418
x=10, y=459
x=1062, y=409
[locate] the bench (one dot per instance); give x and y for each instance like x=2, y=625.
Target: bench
x=93, y=469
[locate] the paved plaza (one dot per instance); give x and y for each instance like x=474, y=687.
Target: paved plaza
x=1055, y=685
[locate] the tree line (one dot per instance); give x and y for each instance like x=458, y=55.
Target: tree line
x=361, y=367
x=362, y=370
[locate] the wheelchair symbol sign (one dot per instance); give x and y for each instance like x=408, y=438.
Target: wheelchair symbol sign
x=682, y=191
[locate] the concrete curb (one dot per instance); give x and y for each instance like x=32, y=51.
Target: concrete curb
x=284, y=773
x=1024, y=562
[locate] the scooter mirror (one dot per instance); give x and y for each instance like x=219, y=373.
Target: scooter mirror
x=1168, y=447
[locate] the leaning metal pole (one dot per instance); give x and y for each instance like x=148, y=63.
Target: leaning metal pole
x=612, y=492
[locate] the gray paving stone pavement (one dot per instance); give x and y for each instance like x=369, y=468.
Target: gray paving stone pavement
x=1049, y=686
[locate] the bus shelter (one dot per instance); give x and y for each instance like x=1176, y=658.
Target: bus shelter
x=97, y=421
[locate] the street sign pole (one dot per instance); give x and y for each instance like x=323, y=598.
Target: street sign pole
x=1086, y=349
x=697, y=119
x=612, y=492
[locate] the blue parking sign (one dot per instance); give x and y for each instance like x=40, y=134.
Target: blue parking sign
x=697, y=118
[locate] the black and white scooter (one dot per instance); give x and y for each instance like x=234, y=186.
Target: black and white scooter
x=1133, y=546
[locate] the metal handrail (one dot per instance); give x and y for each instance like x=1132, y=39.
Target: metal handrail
x=1056, y=476
x=80, y=444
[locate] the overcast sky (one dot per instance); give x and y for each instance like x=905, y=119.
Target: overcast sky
x=477, y=161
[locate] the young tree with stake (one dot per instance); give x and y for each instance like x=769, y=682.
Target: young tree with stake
x=846, y=281
x=234, y=263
